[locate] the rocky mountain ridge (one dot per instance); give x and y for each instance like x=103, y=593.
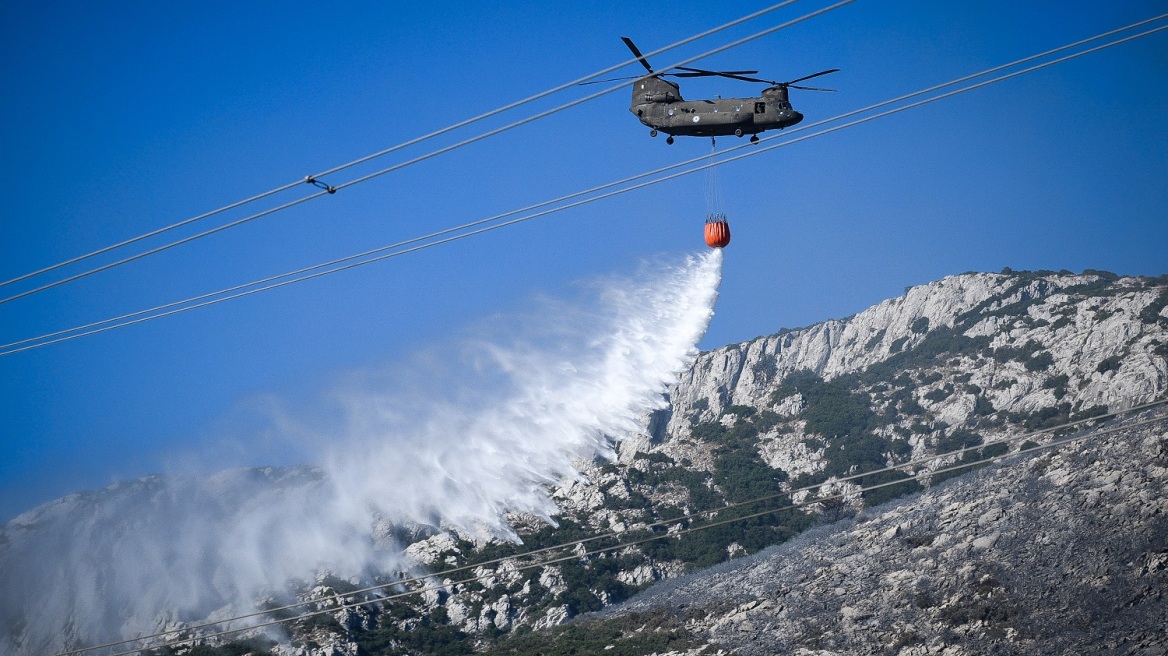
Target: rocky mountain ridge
x=1080, y=320
x=967, y=359
x=957, y=363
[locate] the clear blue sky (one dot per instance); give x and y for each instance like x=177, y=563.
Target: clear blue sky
x=122, y=117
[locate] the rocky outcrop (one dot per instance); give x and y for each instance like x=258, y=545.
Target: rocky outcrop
x=974, y=566
x=967, y=359
x=1066, y=552
x=1042, y=556
x=1080, y=320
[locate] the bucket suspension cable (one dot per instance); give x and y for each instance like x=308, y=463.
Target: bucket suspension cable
x=715, y=209
x=717, y=231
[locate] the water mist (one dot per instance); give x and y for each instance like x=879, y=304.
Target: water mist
x=453, y=440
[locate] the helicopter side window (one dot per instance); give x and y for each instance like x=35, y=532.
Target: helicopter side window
x=759, y=108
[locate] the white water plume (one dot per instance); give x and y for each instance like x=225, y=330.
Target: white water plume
x=407, y=446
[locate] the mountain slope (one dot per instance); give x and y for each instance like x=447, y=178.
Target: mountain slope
x=967, y=359
x=1066, y=552
x=954, y=364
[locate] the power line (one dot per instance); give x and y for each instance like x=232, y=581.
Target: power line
x=347, y=262
x=674, y=534
x=405, y=144
x=898, y=468
x=152, y=233
x=708, y=53
x=476, y=223
x=327, y=189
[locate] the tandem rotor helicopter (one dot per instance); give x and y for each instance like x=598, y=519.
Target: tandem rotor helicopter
x=658, y=104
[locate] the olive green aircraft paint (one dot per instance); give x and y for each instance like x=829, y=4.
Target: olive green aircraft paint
x=658, y=104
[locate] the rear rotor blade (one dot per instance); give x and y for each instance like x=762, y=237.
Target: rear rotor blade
x=637, y=53
x=735, y=76
x=808, y=77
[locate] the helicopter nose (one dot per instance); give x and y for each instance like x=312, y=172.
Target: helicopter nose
x=795, y=117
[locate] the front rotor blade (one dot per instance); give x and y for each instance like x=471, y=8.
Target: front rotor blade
x=637, y=53
x=792, y=86
x=808, y=77
x=611, y=79
x=728, y=74
x=704, y=71
x=744, y=78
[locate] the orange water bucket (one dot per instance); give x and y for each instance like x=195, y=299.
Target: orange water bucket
x=717, y=231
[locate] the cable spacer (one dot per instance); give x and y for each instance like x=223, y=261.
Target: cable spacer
x=320, y=185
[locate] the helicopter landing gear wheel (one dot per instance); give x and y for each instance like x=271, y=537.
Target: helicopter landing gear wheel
x=669, y=140
x=754, y=138
x=652, y=133
x=738, y=132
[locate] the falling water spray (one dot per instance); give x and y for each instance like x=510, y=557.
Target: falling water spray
x=513, y=416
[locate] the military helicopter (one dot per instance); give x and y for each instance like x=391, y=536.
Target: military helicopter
x=657, y=102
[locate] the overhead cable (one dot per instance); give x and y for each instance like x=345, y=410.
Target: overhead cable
x=394, y=250
x=618, y=87
x=328, y=189
x=792, y=505
x=924, y=460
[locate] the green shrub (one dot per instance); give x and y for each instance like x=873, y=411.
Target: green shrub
x=742, y=411
x=1151, y=312
x=912, y=407
x=766, y=420
x=618, y=636
x=958, y=439
x=995, y=450
x=766, y=367
x=1058, y=384
x=1040, y=361
x=1109, y=364
x=832, y=409
x=1044, y=418
x=654, y=456
x=432, y=634
x=252, y=646
x=982, y=406
x=1018, y=353
x=884, y=494
x=876, y=339
x=939, y=344
x=940, y=393
x=1087, y=413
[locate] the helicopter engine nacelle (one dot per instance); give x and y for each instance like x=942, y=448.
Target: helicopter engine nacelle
x=779, y=94
x=655, y=90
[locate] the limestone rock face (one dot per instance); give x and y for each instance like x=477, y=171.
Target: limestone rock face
x=1080, y=332
x=1038, y=555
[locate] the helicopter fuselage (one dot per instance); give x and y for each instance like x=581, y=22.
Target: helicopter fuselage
x=658, y=104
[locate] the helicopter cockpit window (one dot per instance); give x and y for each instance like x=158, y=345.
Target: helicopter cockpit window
x=759, y=108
